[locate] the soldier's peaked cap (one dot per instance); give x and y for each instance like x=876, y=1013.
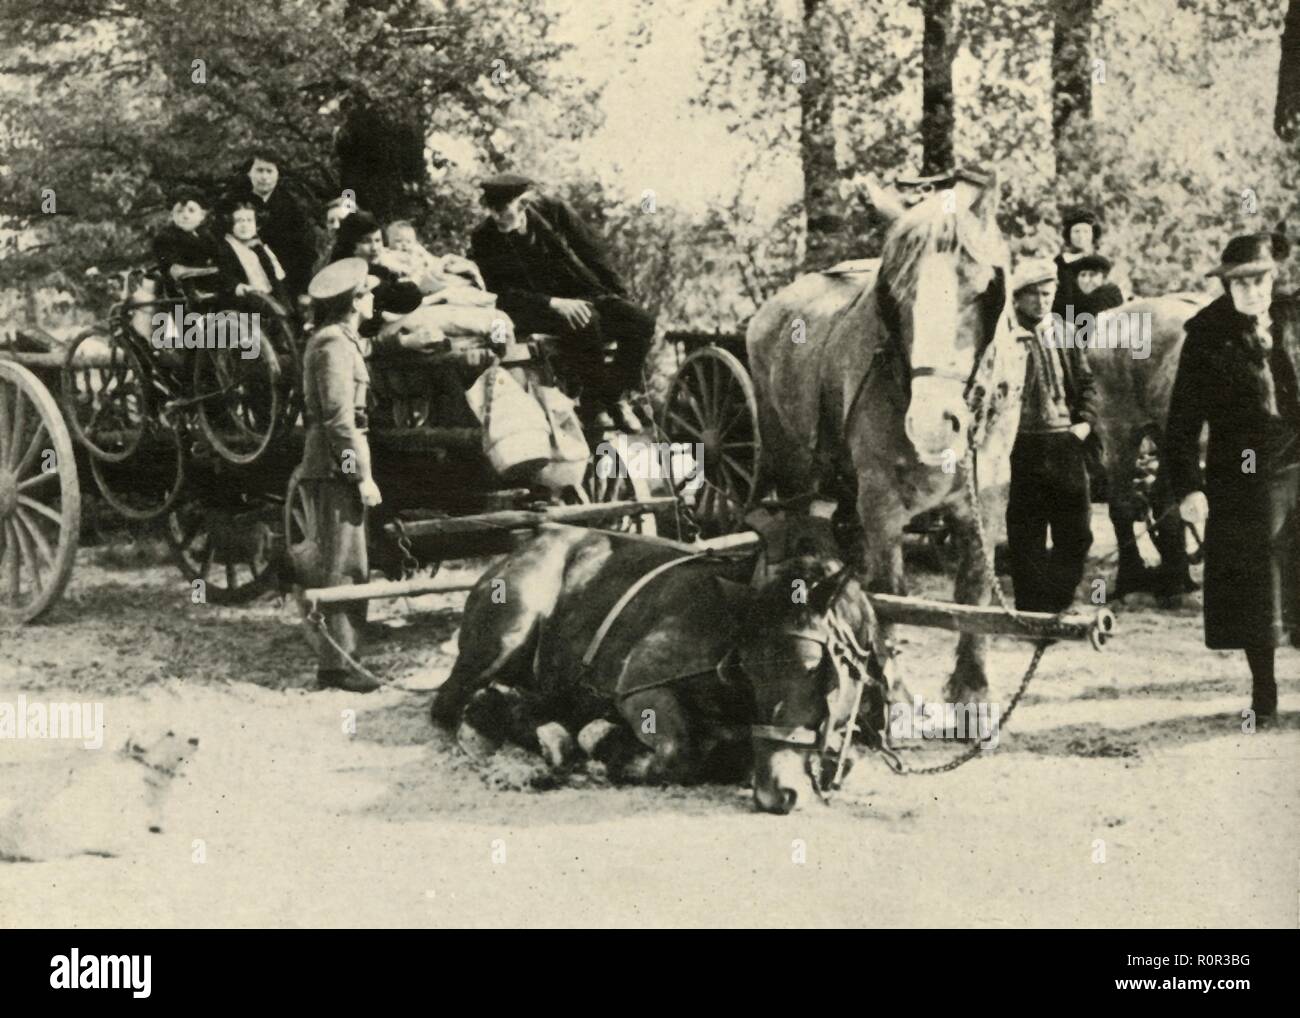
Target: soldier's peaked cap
x=504, y=187
x=347, y=275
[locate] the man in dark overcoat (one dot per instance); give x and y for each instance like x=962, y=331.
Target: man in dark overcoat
x=1237, y=372
x=551, y=275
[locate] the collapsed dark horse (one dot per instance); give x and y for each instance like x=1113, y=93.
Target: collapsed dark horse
x=708, y=665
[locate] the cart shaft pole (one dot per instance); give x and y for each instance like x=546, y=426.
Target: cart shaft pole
x=384, y=588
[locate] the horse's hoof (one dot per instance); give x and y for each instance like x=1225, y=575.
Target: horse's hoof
x=599, y=740
x=637, y=771
x=557, y=745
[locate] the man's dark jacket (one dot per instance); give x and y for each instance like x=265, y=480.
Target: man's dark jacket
x=566, y=259
x=1081, y=397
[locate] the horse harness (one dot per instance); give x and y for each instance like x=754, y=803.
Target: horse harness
x=847, y=657
x=851, y=664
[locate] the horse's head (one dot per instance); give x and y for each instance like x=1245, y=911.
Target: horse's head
x=942, y=294
x=804, y=653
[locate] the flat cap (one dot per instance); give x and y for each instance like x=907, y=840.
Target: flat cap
x=1031, y=272
x=347, y=275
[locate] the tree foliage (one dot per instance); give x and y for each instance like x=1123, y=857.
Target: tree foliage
x=110, y=104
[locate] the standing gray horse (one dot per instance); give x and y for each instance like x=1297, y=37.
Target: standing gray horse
x=873, y=386
x=1134, y=358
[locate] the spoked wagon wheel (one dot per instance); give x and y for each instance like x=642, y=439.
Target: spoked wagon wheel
x=301, y=528
x=240, y=401
x=144, y=486
x=711, y=407
x=232, y=548
x=40, y=500
x=104, y=397
x=612, y=477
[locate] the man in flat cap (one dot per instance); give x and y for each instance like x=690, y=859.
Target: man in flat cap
x=1049, y=475
x=551, y=275
x=1237, y=372
x=335, y=472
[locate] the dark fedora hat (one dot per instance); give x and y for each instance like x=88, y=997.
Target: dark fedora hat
x=1250, y=254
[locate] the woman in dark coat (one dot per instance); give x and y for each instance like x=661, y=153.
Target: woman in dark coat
x=1238, y=372
x=1082, y=232
x=248, y=270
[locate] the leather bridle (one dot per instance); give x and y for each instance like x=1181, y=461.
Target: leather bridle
x=849, y=662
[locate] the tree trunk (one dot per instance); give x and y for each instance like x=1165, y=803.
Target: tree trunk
x=938, y=46
x=821, y=199
x=1288, y=77
x=1071, y=73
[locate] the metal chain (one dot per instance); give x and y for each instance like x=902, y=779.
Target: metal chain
x=903, y=770
x=995, y=584
x=315, y=618
x=410, y=564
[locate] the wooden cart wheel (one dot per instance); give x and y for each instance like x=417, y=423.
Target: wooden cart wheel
x=609, y=478
x=104, y=396
x=241, y=401
x=146, y=485
x=232, y=548
x=301, y=528
x=40, y=499
x=711, y=406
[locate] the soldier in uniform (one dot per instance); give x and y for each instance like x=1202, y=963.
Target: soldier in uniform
x=1238, y=372
x=551, y=275
x=1049, y=472
x=336, y=477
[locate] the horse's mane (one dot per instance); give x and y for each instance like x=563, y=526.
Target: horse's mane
x=929, y=228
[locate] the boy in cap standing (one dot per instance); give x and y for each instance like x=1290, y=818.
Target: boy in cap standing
x=551, y=275
x=1049, y=476
x=1237, y=372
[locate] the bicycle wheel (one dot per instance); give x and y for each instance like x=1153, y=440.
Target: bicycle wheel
x=146, y=485
x=104, y=395
x=240, y=402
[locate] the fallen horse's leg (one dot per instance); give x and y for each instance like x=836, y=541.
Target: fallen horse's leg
x=656, y=719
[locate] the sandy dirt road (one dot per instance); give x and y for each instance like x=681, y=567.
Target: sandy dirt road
x=1123, y=793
